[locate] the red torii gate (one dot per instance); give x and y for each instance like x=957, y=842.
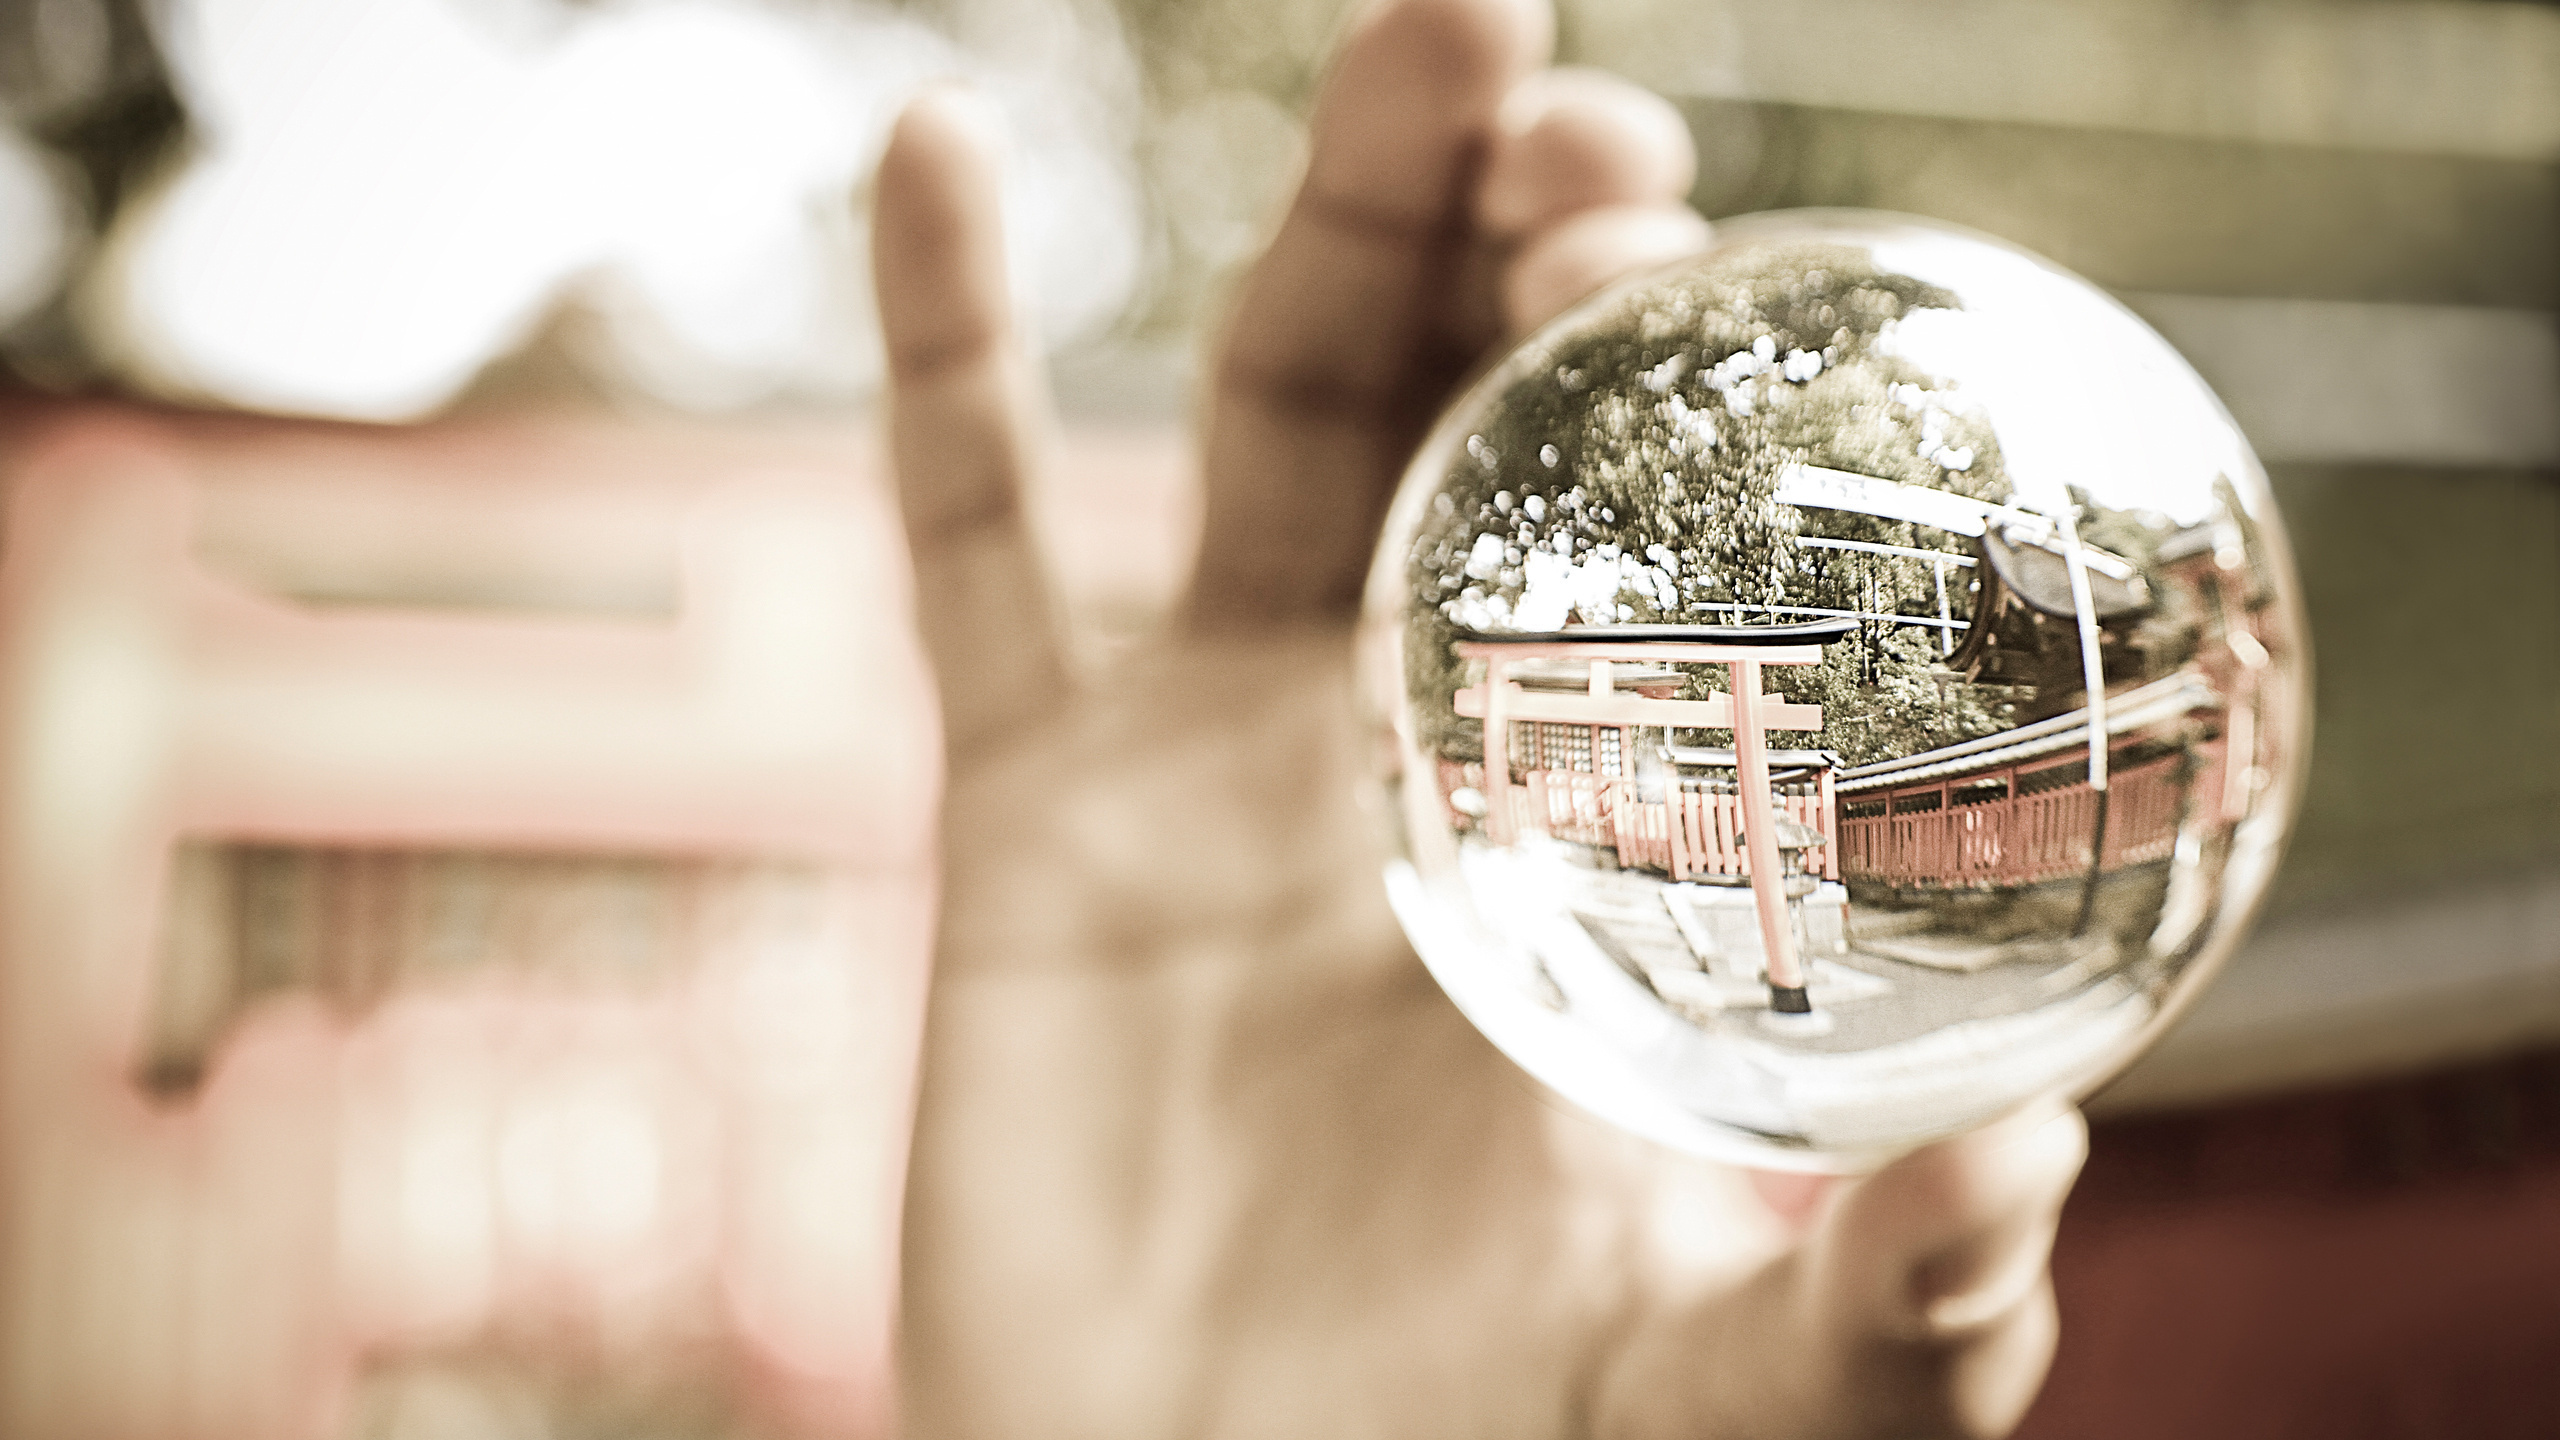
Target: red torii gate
x=1743, y=709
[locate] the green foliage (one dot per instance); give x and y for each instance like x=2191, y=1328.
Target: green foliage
x=1631, y=476
x=1698, y=501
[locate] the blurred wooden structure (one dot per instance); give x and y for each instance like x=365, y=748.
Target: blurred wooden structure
x=464, y=908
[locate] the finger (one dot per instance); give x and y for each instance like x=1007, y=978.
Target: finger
x=1569, y=260
x=1572, y=139
x=1340, y=343
x=1933, y=1271
x=1920, y=1308
x=1792, y=1198
x=968, y=421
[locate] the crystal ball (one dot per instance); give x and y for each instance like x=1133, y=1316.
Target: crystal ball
x=1844, y=687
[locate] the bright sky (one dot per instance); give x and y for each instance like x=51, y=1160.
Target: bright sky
x=2078, y=390
x=384, y=196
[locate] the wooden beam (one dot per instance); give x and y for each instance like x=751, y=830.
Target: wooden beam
x=1620, y=708
x=1656, y=652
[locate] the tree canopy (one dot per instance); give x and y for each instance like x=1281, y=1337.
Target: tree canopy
x=1631, y=475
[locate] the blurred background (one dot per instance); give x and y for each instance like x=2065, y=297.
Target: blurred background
x=445, y=330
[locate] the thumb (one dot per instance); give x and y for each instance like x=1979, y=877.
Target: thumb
x=1928, y=1280
x=1920, y=1306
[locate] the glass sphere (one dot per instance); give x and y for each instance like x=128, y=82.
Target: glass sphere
x=1845, y=686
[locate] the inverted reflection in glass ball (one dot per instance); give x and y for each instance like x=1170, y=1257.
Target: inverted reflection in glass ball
x=1845, y=686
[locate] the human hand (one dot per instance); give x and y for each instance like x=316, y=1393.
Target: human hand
x=1200, y=1147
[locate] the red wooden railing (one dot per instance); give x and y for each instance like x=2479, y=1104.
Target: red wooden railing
x=1688, y=834
x=2017, y=839
x=2010, y=840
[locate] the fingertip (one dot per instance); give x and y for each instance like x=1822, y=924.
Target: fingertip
x=1988, y=1169
x=1792, y=1197
x=1921, y=1304
x=949, y=132
x=1959, y=1187
x=1572, y=138
x=2042, y=1146
x=1958, y=1234
x=937, y=249
x=1456, y=37
x=1594, y=248
x=1414, y=90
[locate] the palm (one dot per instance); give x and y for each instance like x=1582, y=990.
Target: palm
x=1201, y=1066
x=1200, y=1147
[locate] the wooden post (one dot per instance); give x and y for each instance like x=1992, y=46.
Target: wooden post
x=1830, y=801
x=1497, y=753
x=1675, y=825
x=2093, y=679
x=1760, y=840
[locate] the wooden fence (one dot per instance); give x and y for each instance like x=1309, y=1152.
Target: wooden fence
x=2002, y=829
x=1988, y=830
x=1691, y=833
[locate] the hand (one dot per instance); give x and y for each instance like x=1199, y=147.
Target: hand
x=1200, y=1148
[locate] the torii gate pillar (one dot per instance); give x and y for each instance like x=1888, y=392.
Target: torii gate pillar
x=1748, y=712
